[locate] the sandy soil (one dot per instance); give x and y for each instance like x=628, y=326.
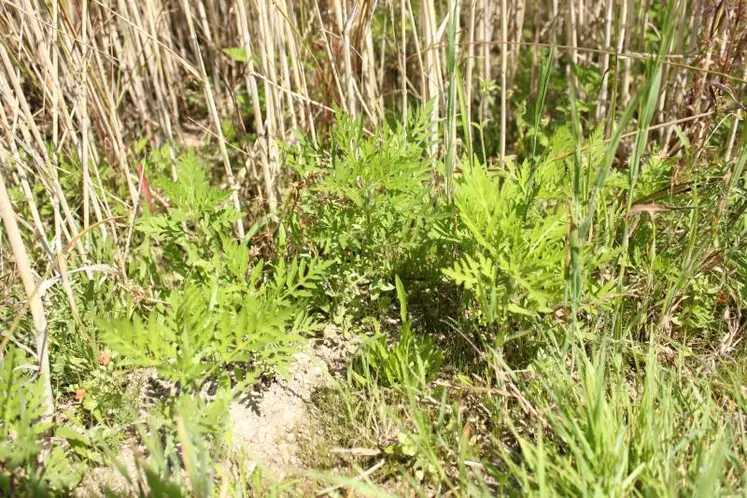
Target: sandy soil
x=267, y=425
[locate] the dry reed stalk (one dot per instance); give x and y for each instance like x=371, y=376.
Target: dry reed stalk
x=486, y=33
x=305, y=90
x=643, y=17
x=77, y=62
x=433, y=90
x=148, y=45
x=383, y=72
x=113, y=128
x=627, y=18
x=534, y=83
x=273, y=105
x=723, y=38
x=166, y=66
x=355, y=23
x=210, y=52
x=15, y=97
x=330, y=57
x=274, y=116
x=33, y=137
x=418, y=51
x=554, y=22
x=403, y=56
x=31, y=23
x=100, y=201
x=450, y=134
x=55, y=97
x=669, y=106
x=702, y=78
x=602, y=107
x=572, y=33
x=215, y=118
x=129, y=70
x=297, y=72
x=371, y=84
x=343, y=28
x=23, y=177
x=694, y=27
x=266, y=147
x=504, y=62
x=518, y=36
x=619, y=44
x=83, y=115
x=470, y=57
x=285, y=81
x=13, y=235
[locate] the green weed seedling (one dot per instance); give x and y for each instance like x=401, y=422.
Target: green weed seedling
x=407, y=363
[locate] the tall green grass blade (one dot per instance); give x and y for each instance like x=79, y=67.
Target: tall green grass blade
x=606, y=166
x=576, y=269
x=451, y=109
x=648, y=105
x=710, y=472
x=466, y=120
x=539, y=106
